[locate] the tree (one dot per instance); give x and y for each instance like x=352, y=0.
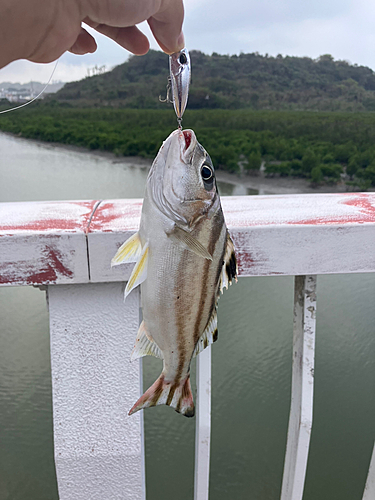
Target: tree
x=316, y=175
x=332, y=171
x=309, y=161
x=254, y=161
x=353, y=165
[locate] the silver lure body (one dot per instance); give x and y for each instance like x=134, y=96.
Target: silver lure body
x=180, y=71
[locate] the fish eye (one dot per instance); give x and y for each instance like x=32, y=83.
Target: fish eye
x=183, y=58
x=206, y=173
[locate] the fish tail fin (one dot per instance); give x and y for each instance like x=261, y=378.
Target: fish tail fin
x=177, y=395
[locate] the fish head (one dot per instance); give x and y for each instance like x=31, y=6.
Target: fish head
x=183, y=181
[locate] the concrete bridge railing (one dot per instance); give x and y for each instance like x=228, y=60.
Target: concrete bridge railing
x=66, y=248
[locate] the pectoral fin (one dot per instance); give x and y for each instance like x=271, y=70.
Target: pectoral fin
x=209, y=336
x=129, y=251
x=145, y=345
x=139, y=273
x=229, y=270
x=188, y=241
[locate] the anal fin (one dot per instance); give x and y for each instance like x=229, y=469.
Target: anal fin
x=145, y=345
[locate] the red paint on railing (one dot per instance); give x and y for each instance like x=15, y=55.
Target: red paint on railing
x=47, y=217
x=111, y=214
x=363, y=202
x=47, y=269
x=55, y=263
x=270, y=235
x=45, y=225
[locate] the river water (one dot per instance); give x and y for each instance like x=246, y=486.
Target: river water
x=251, y=366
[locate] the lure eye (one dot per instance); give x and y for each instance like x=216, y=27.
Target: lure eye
x=183, y=59
x=206, y=173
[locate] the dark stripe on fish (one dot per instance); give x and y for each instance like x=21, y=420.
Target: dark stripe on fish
x=217, y=228
x=178, y=406
x=185, y=390
x=180, y=320
x=158, y=392
x=198, y=319
x=171, y=394
x=185, y=394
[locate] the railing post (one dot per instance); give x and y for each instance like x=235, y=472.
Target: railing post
x=98, y=448
x=301, y=411
x=203, y=426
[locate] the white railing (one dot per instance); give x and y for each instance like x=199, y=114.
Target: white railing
x=67, y=247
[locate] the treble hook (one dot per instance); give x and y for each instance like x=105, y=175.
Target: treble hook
x=169, y=89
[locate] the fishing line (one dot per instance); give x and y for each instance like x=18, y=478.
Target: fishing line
x=34, y=98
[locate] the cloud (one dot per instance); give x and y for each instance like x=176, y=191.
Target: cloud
x=291, y=27
x=228, y=17
x=24, y=71
x=349, y=36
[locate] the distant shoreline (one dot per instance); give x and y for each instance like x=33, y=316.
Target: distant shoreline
x=265, y=185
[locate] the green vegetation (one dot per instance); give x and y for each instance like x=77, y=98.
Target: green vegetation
x=317, y=146
x=249, y=81
x=246, y=110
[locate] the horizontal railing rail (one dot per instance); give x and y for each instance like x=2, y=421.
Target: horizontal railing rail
x=99, y=451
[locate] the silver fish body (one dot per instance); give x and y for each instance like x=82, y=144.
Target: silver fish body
x=188, y=257
x=180, y=70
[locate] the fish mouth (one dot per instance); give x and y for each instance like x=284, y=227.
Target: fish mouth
x=187, y=136
x=187, y=142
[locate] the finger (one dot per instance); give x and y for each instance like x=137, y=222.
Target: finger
x=85, y=43
x=166, y=26
x=131, y=38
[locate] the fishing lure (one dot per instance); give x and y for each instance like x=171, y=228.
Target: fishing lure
x=178, y=82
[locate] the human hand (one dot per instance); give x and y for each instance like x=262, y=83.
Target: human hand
x=117, y=19
x=48, y=28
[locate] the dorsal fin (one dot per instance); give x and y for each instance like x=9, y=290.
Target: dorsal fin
x=229, y=270
x=209, y=336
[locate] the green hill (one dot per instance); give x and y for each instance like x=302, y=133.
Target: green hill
x=231, y=82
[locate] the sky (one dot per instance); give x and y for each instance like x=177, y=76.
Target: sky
x=343, y=28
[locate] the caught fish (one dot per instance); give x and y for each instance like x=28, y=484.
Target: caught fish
x=184, y=258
